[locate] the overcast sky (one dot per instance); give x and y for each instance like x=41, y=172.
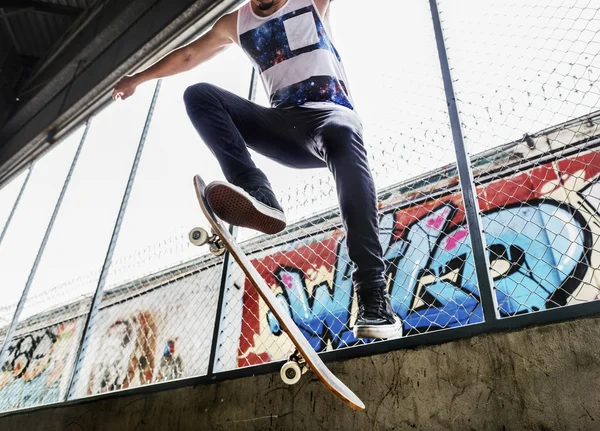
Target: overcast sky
x=518, y=66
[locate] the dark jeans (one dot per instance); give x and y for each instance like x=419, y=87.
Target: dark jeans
x=299, y=138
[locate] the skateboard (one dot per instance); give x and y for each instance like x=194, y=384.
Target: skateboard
x=304, y=358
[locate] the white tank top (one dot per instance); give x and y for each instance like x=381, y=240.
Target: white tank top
x=294, y=55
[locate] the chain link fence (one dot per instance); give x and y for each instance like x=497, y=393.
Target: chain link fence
x=525, y=79
x=429, y=266
x=153, y=329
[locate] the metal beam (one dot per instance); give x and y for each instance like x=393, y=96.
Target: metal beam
x=10, y=31
x=99, y=292
x=16, y=204
x=39, y=7
x=469, y=193
x=226, y=282
x=17, y=314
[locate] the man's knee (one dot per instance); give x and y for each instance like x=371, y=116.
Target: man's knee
x=342, y=138
x=199, y=95
x=338, y=131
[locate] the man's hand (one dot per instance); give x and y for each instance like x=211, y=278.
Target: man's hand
x=125, y=88
x=184, y=58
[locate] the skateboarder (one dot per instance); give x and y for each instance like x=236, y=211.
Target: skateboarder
x=312, y=123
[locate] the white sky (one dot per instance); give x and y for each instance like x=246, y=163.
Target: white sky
x=518, y=67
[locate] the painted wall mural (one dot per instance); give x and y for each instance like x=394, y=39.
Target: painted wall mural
x=38, y=366
x=540, y=226
x=128, y=353
x=161, y=335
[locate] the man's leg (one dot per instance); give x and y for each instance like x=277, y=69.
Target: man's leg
x=304, y=138
x=339, y=138
x=229, y=124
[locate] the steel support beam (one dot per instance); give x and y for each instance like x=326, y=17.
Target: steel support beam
x=99, y=292
x=39, y=7
x=17, y=202
x=465, y=174
x=21, y=304
x=226, y=284
x=10, y=31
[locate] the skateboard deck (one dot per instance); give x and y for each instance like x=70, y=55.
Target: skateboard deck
x=305, y=355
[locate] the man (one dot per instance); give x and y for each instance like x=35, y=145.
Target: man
x=311, y=124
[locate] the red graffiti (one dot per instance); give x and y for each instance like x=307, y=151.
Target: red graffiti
x=304, y=258
x=455, y=238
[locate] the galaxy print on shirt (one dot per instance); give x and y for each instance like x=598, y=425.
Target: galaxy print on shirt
x=315, y=89
x=268, y=45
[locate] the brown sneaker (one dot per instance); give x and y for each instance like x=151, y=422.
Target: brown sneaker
x=256, y=208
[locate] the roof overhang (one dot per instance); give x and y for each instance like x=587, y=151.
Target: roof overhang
x=113, y=38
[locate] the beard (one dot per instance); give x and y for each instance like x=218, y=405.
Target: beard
x=265, y=5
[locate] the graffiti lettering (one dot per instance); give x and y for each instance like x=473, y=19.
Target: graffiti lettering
x=540, y=250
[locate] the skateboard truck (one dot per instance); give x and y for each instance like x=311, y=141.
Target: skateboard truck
x=293, y=369
x=199, y=237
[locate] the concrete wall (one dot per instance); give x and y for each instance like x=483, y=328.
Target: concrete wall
x=542, y=378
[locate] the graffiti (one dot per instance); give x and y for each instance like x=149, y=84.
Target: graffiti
x=302, y=278
x=532, y=268
x=37, y=365
x=127, y=354
x=539, y=226
x=30, y=355
x=171, y=365
x=156, y=336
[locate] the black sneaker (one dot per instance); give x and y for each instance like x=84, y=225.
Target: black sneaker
x=265, y=196
x=376, y=318
x=256, y=208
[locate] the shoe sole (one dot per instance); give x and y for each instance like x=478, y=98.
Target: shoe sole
x=235, y=206
x=379, y=331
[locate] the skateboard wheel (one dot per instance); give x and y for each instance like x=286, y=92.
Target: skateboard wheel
x=290, y=373
x=198, y=236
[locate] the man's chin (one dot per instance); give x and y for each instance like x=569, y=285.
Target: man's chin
x=265, y=6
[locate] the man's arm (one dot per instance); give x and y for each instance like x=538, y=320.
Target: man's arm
x=182, y=59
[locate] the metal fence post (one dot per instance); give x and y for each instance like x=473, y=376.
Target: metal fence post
x=97, y=298
x=15, y=320
x=215, y=342
x=17, y=202
x=226, y=266
x=480, y=255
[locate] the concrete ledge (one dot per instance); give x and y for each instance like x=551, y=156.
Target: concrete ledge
x=542, y=378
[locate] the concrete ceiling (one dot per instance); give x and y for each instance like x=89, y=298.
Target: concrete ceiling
x=60, y=58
